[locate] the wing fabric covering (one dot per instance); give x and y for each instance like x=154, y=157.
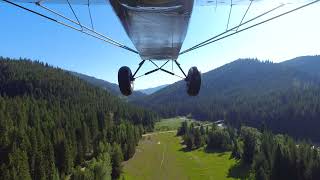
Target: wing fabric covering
x=197, y=2
x=157, y=28
x=75, y=2
x=245, y=2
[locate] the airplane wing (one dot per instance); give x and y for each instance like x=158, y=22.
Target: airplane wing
x=159, y=7
x=197, y=2
x=246, y=2
x=75, y=2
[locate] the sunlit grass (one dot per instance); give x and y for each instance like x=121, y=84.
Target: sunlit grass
x=170, y=124
x=161, y=156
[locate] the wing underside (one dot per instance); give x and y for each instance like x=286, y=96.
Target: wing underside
x=157, y=28
x=75, y=2
x=197, y=2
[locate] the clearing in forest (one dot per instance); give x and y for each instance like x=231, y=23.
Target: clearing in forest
x=161, y=156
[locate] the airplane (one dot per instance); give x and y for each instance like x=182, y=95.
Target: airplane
x=157, y=29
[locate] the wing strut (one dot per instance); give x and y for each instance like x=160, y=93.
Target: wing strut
x=84, y=29
x=89, y=10
x=232, y=29
x=231, y=5
x=245, y=14
x=216, y=38
x=74, y=14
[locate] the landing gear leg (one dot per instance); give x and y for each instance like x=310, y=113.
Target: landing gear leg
x=125, y=78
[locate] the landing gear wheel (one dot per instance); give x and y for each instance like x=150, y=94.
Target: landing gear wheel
x=125, y=80
x=193, y=81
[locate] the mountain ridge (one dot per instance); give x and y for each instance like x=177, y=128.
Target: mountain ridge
x=249, y=89
x=111, y=87
x=152, y=90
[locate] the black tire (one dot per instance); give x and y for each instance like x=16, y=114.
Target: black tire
x=193, y=81
x=125, y=80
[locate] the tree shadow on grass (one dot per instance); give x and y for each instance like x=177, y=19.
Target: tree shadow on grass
x=220, y=151
x=239, y=171
x=185, y=149
x=216, y=151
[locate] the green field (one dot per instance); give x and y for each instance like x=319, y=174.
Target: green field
x=161, y=156
x=170, y=124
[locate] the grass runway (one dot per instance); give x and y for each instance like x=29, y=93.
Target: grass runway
x=160, y=156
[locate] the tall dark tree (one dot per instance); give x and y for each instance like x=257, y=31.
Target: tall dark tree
x=183, y=129
x=18, y=165
x=250, y=138
x=116, y=159
x=198, y=138
x=219, y=139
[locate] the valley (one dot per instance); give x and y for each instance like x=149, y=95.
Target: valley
x=159, y=90
x=207, y=151
x=57, y=124
x=162, y=156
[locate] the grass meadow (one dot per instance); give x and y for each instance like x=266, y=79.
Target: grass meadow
x=162, y=156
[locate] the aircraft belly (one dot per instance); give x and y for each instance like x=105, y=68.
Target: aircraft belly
x=156, y=30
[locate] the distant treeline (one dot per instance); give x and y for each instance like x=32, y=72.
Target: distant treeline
x=54, y=125
x=261, y=154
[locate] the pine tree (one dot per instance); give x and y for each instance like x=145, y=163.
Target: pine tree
x=18, y=165
x=236, y=150
x=189, y=141
x=116, y=160
x=250, y=143
x=198, y=138
x=183, y=129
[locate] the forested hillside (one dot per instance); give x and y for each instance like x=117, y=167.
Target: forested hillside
x=110, y=87
x=283, y=96
x=149, y=91
x=54, y=125
x=261, y=154
x=306, y=64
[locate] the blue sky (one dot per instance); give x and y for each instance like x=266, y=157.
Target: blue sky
x=26, y=35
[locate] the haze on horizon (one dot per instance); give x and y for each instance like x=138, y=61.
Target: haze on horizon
x=28, y=36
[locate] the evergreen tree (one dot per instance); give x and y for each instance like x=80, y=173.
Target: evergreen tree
x=219, y=140
x=189, y=141
x=198, y=138
x=183, y=129
x=236, y=150
x=18, y=165
x=116, y=159
x=250, y=138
